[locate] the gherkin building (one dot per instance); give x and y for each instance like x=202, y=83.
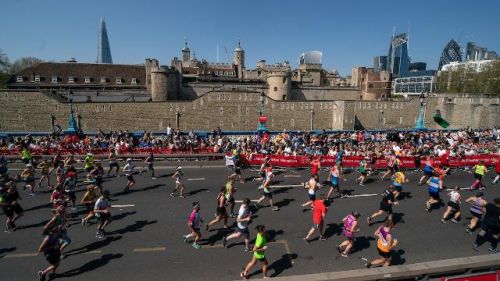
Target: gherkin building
x=451, y=53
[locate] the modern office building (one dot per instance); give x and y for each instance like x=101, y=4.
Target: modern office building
x=103, y=49
x=418, y=66
x=379, y=63
x=398, y=60
x=477, y=53
x=451, y=53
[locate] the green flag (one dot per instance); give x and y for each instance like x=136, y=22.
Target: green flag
x=439, y=120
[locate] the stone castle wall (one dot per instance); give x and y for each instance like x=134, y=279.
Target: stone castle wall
x=31, y=111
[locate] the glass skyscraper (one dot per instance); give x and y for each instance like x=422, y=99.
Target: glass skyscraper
x=451, y=53
x=103, y=50
x=379, y=63
x=398, y=61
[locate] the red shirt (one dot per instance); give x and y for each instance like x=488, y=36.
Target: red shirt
x=497, y=166
x=319, y=210
x=315, y=167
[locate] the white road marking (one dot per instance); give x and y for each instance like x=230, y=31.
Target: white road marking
x=461, y=188
x=286, y=185
x=21, y=255
x=156, y=249
x=292, y=176
x=93, y=252
x=241, y=201
x=197, y=179
x=122, y=206
x=361, y=195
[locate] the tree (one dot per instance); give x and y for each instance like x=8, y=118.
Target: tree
x=4, y=62
x=462, y=80
x=23, y=63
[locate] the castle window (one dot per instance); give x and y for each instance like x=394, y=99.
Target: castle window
x=259, y=73
x=275, y=89
x=284, y=97
x=55, y=79
x=133, y=81
x=19, y=79
x=37, y=78
x=71, y=79
x=87, y=80
x=103, y=80
x=118, y=80
x=284, y=80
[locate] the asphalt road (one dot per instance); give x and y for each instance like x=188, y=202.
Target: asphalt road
x=144, y=240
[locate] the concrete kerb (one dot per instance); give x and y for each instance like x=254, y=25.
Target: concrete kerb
x=430, y=268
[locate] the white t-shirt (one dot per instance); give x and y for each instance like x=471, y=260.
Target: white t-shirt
x=243, y=213
x=229, y=160
x=129, y=169
x=101, y=204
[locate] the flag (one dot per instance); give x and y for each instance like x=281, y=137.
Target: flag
x=439, y=120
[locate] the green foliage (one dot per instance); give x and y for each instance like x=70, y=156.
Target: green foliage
x=462, y=81
x=4, y=62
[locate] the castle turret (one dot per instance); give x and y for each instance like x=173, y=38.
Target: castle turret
x=159, y=85
x=239, y=60
x=149, y=64
x=280, y=84
x=186, y=53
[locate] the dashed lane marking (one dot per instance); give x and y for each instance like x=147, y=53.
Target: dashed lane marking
x=292, y=176
x=361, y=195
x=155, y=249
x=197, y=179
x=286, y=185
x=122, y=206
x=461, y=188
x=93, y=252
x=22, y=255
x=241, y=201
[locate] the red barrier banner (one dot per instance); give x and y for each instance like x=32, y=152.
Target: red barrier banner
x=406, y=162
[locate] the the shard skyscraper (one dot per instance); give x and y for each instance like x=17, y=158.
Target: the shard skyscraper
x=103, y=50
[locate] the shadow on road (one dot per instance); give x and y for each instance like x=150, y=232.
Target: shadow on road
x=361, y=243
x=39, y=224
x=137, y=226
x=48, y=205
x=122, y=215
x=196, y=191
x=6, y=250
x=332, y=229
x=91, y=265
x=284, y=263
x=134, y=190
x=93, y=246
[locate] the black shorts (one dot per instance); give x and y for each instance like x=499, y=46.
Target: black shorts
x=8, y=211
x=396, y=168
x=3, y=170
x=71, y=195
x=428, y=173
x=237, y=170
x=399, y=188
x=221, y=211
x=88, y=169
x=114, y=164
x=103, y=217
x=230, y=200
x=52, y=255
x=130, y=178
x=98, y=181
x=386, y=207
x=312, y=197
x=243, y=232
x=392, y=169
x=262, y=175
x=494, y=230
x=268, y=194
x=454, y=206
x=476, y=215
x=386, y=255
x=434, y=196
x=26, y=161
x=478, y=176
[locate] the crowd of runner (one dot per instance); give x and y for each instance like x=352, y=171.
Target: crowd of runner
x=485, y=215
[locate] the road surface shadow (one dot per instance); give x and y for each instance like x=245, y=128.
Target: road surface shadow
x=47, y=205
x=397, y=257
x=137, y=226
x=38, y=224
x=193, y=192
x=361, y=243
x=133, y=189
x=6, y=250
x=92, y=246
x=122, y=215
x=90, y=266
x=282, y=264
x=284, y=202
x=332, y=229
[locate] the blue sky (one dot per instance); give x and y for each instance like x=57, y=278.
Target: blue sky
x=349, y=33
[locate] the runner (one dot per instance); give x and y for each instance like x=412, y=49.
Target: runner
x=89, y=165
x=428, y=171
x=179, y=184
x=311, y=187
x=28, y=175
x=333, y=178
x=58, y=197
x=44, y=167
x=101, y=211
x=220, y=211
x=128, y=169
x=435, y=186
x=229, y=192
x=384, y=245
x=392, y=166
x=266, y=191
x=237, y=168
x=479, y=172
x=497, y=170
x=97, y=175
x=194, y=224
x=69, y=189
x=88, y=200
x=56, y=161
x=350, y=227
x=26, y=155
x=319, y=210
x=385, y=205
x=364, y=173
x=490, y=227
x=150, y=168
x=113, y=163
x=69, y=162
x=315, y=166
x=476, y=210
x=60, y=173
x=50, y=248
x=11, y=207
x=59, y=223
x=242, y=221
x=258, y=253
x=3, y=166
x=453, y=206
x=397, y=181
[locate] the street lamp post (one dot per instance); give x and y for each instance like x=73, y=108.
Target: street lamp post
x=312, y=119
x=177, y=119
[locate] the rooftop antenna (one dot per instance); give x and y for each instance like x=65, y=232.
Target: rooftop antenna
x=185, y=41
x=393, y=31
x=408, y=39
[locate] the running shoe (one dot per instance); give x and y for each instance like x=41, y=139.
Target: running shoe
x=475, y=247
x=443, y=221
x=248, y=249
x=493, y=250
x=153, y=178
x=369, y=220
x=206, y=227
x=185, y=238
x=306, y=240
x=182, y=196
x=224, y=241
x=344, y=255
x=41, y=276
x=196, y=246
x=84, y=222
x=454, y=220
x=172, y=195
x=322, y=238
x=428, y=205
x=275, y=208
